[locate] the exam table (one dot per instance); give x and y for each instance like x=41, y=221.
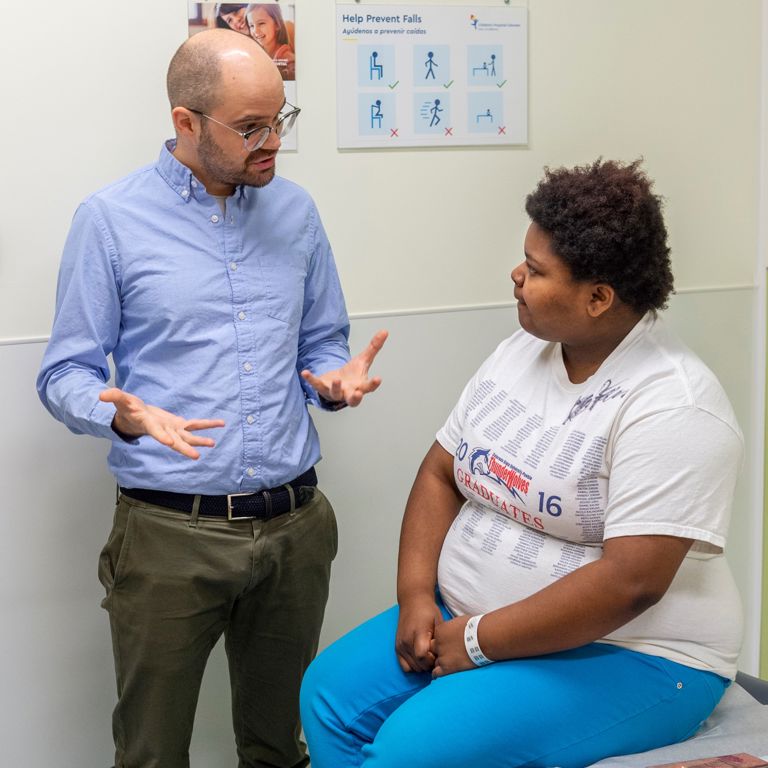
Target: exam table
x=739, y=723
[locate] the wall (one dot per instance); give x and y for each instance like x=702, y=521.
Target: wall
x=677, y=83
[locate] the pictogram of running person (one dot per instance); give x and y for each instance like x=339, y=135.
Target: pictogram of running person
x=434, y=111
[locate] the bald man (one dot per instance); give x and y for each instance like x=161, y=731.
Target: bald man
x=211, y=283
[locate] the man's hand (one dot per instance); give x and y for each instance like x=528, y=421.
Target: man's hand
x=350, y=383
x=449, y=649
x=135, y=418
x=416, y=628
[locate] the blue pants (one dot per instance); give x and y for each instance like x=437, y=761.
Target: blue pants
x=566, y=709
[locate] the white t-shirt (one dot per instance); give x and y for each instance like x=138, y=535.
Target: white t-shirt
x=647, y=445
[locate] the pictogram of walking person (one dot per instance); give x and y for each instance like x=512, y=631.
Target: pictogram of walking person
x=430, y=64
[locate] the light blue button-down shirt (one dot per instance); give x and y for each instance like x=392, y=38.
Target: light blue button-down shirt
x=205, y=314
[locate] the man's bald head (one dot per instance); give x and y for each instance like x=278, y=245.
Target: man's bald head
x=195, y=73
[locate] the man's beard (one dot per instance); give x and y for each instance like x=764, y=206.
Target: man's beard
x=218, y=168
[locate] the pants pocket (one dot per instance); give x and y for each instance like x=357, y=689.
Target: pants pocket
x=332, y=527
x=112, y=557
x=314, y=524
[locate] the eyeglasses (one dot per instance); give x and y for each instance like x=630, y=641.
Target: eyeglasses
x=256, y=137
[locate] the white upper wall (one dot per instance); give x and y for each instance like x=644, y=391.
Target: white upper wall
x=676, y=82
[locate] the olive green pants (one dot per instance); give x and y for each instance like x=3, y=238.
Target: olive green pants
x=174, y=585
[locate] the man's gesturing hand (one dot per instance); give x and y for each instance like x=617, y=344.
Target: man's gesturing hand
x=135, y=418
x=350, y=383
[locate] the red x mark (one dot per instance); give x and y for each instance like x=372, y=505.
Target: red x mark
x=449, y=131
x=502, y=129
x=393, y=132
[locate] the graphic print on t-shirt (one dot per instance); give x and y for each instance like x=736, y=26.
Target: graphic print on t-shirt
x=510, y=460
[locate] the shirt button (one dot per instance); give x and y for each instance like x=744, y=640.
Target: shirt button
x=250, y=419
x=194, y=183
x=233, y=266
x=241, y=315
x=250, y=471
x=214, y=218
x=247, y=367
x=185, y=193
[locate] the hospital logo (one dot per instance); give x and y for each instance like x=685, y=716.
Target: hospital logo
x=490, y=26
x=482, y=461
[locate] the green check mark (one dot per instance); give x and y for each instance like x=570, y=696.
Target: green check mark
x=501, y=84
x=393, y=85
x=448, y=85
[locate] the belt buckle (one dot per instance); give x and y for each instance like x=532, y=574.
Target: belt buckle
x=231, y=496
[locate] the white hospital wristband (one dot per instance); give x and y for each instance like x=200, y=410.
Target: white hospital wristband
x=471, y=643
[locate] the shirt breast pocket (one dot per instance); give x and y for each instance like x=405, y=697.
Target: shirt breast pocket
x=284, y=289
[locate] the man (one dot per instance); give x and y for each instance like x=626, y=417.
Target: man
x=212, y=284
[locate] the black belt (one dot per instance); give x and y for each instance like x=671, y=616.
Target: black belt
x=261, y=505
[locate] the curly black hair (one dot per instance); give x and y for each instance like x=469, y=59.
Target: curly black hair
x=607, y=225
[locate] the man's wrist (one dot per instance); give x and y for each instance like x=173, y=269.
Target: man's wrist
x=123, y=435
x=331, y=405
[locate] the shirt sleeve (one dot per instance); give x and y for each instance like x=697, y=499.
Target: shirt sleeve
x=673, y=473
x=324, y=331
x=75, y=366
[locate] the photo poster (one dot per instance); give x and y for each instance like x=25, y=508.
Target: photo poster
x=272, y=25
x=431, y=75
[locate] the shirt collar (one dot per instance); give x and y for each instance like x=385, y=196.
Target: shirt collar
x=181, y=179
